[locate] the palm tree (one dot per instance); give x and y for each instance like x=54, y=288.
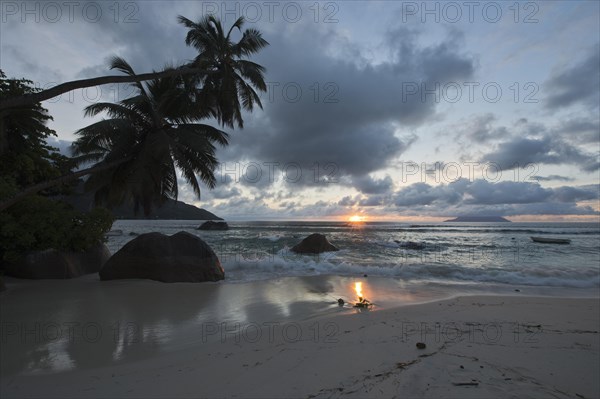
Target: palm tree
x=218, y=55
x=214, y=83
x=229, y=78
x=29, y=99
x=144, y=140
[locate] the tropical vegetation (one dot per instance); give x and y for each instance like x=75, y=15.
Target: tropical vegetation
x=136, y=152
x=223, y=85
x=38, y=221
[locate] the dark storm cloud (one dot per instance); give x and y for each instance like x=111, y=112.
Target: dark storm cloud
x=580, y=83
x=328, y=109
x=325, y=110
x=138, y=36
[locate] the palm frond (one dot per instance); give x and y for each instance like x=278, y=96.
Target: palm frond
x=250, y=43
x=119, y=63
x=237, y=24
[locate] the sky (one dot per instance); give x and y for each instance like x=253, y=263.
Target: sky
x=388, y=110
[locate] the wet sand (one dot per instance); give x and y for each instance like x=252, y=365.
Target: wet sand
x=289, y=338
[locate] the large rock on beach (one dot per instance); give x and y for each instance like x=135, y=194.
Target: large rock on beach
x=314, y=244
x=182, y=257
x=54, y=264
x=210, y=225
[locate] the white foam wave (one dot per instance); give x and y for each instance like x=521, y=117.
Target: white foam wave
x=271, y=237
x=284, y=263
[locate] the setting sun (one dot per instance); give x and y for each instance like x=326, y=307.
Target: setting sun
x=356, y=218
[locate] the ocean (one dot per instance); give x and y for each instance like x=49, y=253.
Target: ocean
x=452, y=253
x=268, y=285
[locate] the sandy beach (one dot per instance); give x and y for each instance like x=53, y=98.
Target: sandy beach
x=287, y=338
x=299, y=199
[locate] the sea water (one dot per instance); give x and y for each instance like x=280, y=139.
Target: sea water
x=453, y=253
x=87, y=323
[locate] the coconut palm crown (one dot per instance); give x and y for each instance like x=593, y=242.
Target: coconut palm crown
x=144, y=140
x=230, y=82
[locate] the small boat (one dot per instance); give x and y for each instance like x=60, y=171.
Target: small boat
x=545, y=240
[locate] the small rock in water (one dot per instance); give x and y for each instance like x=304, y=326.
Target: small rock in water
x=211, y=225
x=314, y=244
x=341, y=302
x=421, y=345
x=517, y=290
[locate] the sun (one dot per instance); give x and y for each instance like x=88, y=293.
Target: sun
x=356, y=218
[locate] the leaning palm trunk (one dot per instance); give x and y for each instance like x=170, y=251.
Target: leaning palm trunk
x=157, y=128
x=84, y=83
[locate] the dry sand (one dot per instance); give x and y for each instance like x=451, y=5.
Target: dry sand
x=233, y=340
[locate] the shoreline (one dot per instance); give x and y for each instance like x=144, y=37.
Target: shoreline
x=485, y=253
x=244, y=340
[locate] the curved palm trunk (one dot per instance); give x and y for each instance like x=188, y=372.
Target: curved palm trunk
x=55, y=182
x=83, y=83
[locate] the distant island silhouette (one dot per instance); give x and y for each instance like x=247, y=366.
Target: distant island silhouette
x=170, y=210
x=479, y=219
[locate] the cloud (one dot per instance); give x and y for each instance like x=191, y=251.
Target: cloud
x=506, y=192
x=481, y=197
x=578, y=84
x=340, y=110
x=349, y=113
x=575, y=194
x=369, y=185
x=425, y=194
x=552, y=178
x=63, y=146
x=479, y=129
x=526, y=142
x=521, y=151
x=347, y=201
x=584, y=130
x=373, y=200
